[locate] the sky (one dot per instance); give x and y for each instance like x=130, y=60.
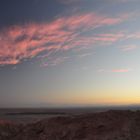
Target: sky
x=62, y=53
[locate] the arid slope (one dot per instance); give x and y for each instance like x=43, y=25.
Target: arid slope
x=110, y=125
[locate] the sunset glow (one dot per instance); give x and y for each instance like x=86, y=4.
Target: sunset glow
x=69, y=53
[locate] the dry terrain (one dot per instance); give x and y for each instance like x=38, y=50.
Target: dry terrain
x=109, y=125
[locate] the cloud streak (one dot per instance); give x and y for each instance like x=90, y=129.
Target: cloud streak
x=128, y=48
x=21, y=42
x=120, y=70
x=123, y=70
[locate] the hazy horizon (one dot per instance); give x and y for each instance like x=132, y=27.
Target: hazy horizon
x=58, y=53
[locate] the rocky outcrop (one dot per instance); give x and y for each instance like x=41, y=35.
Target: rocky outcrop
x=110, y=125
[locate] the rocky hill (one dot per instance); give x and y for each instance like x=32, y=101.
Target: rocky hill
x=110, y=125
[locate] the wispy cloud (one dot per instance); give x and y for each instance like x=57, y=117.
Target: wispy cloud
x=84, y=55
x=128, y=47
x=64, y=33
x=54, y=61
x=123, y=70
x=120, y=70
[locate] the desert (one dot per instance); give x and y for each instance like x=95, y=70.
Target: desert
x=108, y=125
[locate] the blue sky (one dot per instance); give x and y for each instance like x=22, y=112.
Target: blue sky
x=69, y=53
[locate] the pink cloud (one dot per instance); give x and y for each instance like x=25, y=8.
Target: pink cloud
x=120, y=70
x=110, y=38
x=86, y=42
x=21, y=42
x=115, y=70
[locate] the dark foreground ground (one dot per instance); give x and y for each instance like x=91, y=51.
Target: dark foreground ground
x=109, y=125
